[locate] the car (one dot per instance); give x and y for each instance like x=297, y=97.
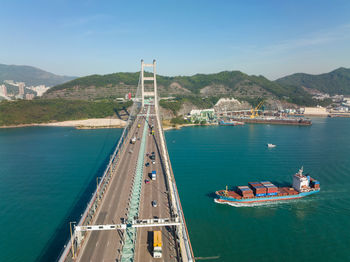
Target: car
x=154, y=203
x=153, y=162
x=147, y=164
x=147, y=181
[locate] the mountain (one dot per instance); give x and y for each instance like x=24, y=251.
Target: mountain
x=31, y=76
x=223, y=84
x=335, y=82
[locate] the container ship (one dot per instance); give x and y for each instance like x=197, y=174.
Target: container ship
x=257, y=192
x=230, y=123
x=273, y=120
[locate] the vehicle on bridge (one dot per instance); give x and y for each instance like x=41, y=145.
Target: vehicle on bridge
x=133, y=140
x=154, y=175
x=157, y=244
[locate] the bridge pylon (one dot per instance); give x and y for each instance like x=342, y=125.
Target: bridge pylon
x=144, y=78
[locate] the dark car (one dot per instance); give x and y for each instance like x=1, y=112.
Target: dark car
x=147, y=164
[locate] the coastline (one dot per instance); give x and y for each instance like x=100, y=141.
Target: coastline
x=179, y=126
x=91, y=123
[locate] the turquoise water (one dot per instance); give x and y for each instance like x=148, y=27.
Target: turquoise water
x=47, y=175
x=316, y=228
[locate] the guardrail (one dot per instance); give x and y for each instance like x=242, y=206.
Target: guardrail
x=183, y=236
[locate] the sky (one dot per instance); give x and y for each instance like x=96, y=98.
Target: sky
x=273, y=38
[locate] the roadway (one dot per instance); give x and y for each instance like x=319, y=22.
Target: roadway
x=105, y=246
x=155, y=190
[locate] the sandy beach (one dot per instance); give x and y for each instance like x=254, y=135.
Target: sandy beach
x=81, y=124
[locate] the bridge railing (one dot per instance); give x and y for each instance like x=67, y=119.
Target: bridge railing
x=92, y=206
x=171, y=183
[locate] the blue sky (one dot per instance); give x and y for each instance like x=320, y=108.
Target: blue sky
x=271, y=38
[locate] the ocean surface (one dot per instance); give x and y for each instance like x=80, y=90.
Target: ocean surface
x=47, y=175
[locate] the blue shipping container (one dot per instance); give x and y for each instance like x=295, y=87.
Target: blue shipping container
x=272, y=194
x=260, y=195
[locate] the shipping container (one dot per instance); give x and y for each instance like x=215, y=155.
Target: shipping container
x=252, y=184
x=272, y=194
x=244, y=190
x=262, y=194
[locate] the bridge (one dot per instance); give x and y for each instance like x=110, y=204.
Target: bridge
x=129, y=202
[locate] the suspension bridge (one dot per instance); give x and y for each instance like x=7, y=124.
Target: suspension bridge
x=130, y=203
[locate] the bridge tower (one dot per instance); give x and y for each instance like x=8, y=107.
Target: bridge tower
x=153, y=93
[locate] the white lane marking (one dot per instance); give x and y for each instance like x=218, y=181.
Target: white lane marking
x=108, y=243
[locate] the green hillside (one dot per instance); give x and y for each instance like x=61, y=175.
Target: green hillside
x=43, y=111
x=223, y=84
x=335, y=82
x=31, y=75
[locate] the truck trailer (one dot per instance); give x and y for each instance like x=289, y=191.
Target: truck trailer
x=157, y=244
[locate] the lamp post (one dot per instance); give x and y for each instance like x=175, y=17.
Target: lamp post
x=71, y=237
x=97, y=178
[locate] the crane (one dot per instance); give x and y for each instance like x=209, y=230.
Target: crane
x=254, y=111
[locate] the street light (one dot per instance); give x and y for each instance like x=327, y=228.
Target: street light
x=97, y=184
x=71, y=237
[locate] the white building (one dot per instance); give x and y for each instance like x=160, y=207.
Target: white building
x=3, y=90
x=316, y=111
x=40, y=89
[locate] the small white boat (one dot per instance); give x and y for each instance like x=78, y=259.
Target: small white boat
x=271, y=145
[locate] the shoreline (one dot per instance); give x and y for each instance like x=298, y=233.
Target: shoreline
x=91, y=123
x=179, y=126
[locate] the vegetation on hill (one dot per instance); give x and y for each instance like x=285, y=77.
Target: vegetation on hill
x=43, y=111
x=232, y=83
x=192, y=83
x=199, y=102
x=179, y=121
x=335, y=82
x=99, y=81
x=31, y=75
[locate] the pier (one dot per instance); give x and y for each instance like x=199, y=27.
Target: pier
x=129, y=204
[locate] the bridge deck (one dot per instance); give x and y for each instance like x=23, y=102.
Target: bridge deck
x=107, y=245
x=155, y=190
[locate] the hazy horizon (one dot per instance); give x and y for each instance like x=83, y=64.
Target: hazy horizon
x=273, y=39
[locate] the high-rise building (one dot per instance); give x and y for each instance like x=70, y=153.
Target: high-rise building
x=21, y=89
x=3, y=90
x=29, y=96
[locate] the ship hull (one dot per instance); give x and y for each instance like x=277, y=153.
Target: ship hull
x=300, y=122
x=230, y=200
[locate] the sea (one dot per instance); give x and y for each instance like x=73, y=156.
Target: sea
x=47, y=175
